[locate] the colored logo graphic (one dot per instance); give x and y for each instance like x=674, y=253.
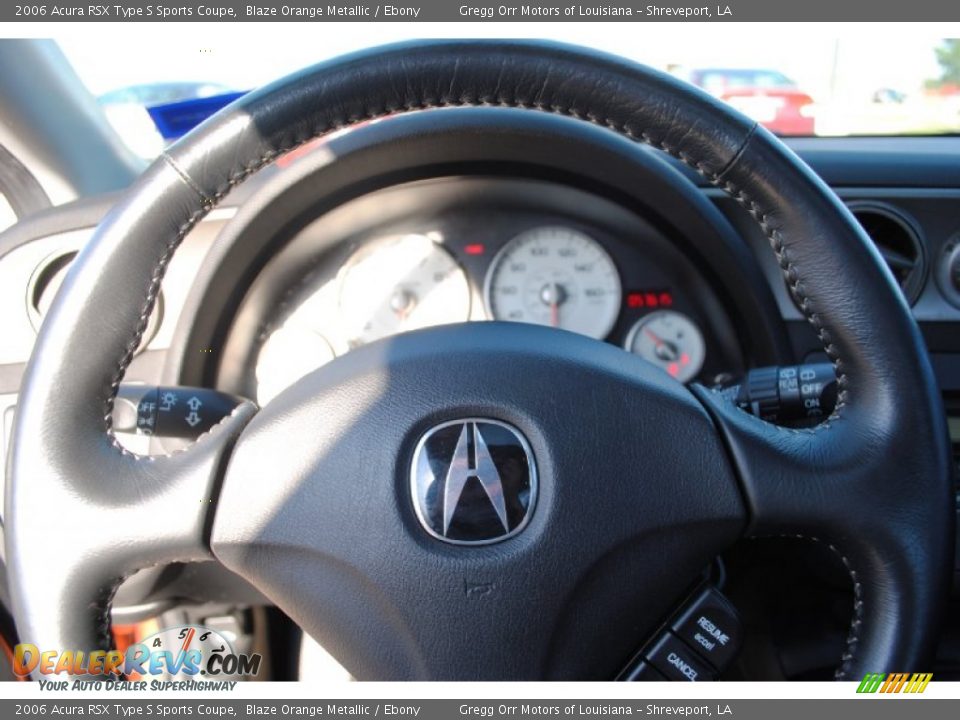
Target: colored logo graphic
x=895, y=683
x=188, y=650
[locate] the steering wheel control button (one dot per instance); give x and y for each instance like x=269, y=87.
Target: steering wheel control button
x=644, y=672
x=473, y=481
x=175, y=412
x=674, y=658
x=711, y=627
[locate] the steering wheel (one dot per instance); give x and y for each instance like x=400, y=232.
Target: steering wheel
x=641, y=481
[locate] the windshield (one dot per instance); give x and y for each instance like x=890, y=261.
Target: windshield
x=796, y=85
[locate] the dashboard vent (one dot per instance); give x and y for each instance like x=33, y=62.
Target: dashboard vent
x=44, y=283
x=898, y=241
x=46, y=280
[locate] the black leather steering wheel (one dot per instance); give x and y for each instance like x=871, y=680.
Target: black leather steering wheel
x=642, y=481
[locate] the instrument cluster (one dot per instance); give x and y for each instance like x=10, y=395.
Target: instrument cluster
x=625, y=285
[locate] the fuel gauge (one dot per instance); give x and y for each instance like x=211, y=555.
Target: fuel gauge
x=671, y=341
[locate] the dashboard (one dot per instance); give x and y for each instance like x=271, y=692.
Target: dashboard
x=290, y=273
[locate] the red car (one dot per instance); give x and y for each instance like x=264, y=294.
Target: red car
x=768, y=96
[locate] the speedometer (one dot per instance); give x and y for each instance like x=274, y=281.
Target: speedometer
x=555, y=276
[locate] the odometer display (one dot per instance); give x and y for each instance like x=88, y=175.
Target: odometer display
x=555, y=276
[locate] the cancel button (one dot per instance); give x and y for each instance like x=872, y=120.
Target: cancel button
x=678, y=662
x=711, y=627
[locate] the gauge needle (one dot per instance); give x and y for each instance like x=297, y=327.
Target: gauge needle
x=402, y=303
x=665, y=350
x=656, y=338
x=552, y=295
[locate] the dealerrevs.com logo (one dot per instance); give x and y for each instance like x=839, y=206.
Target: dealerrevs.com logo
x=179, y=652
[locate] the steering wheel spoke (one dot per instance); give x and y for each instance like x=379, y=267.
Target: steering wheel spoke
x=136, y=512
x=837, y=485
x=791, y=477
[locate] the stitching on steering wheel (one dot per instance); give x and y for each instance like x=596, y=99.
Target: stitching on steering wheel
x=853, y=635
x=108, y=593
x=796, y=286
x=773, y=235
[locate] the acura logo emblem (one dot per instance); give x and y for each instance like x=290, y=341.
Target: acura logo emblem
x=473, y=481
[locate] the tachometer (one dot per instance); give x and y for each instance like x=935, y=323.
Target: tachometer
x=398, y=284
x=555, y=276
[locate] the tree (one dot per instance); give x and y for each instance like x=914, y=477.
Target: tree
x=948, y=55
